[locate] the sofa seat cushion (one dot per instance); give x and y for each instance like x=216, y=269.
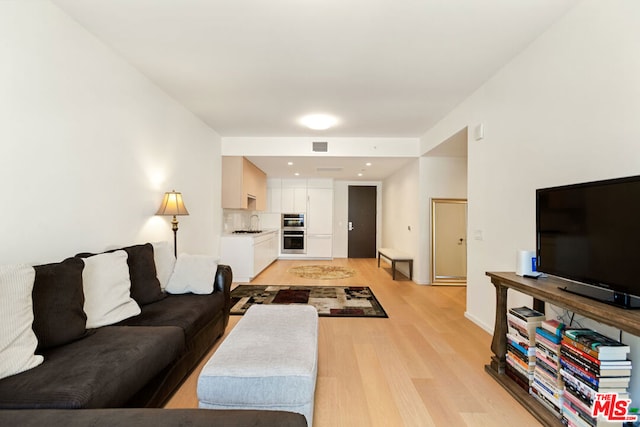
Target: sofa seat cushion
x=102, y=370
x=188, y=311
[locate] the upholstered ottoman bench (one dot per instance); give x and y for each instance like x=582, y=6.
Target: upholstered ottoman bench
x=268, y=361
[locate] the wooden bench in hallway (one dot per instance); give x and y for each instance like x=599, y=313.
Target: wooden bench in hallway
x=394, y=256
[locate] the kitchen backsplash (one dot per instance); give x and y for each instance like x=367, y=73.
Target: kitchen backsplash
x=242, y=220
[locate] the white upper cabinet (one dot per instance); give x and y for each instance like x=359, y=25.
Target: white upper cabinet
x=313, y=197
x=294, y=196
x=320, y=211
x=274, y=195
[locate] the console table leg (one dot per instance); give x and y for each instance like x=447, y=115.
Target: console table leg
x=499, y=343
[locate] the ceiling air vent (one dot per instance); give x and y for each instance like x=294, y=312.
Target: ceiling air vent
x=320, y=147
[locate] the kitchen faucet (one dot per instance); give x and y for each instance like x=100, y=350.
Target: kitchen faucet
x=257, y=227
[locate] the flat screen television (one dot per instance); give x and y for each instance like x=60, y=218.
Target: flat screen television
x=589, y=234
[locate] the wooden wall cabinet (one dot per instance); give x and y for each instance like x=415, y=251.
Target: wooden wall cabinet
x=244, y=185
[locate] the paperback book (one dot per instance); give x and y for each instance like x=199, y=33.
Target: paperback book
x=547, y=386
x=597, y=345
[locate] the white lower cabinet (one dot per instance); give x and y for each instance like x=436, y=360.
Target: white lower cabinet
x=265, y=251
x=319, y=245
x=247, y=254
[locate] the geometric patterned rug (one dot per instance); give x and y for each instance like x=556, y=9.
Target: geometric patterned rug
x=330, y=301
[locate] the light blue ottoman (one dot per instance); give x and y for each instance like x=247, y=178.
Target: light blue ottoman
x=269, y=361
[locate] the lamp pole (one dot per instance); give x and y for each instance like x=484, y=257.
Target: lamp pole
x=174, y=227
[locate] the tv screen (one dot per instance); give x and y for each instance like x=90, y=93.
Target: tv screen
x=590, y=233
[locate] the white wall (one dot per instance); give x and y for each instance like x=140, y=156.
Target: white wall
x=442, y=178
x=88, y=146
x=401, y=223
x=406, y=204
x=340, y=147
x=564, y=111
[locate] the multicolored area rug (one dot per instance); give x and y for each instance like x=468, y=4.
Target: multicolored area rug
x=330, y=301
x=322, y=272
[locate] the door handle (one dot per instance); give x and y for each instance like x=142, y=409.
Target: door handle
x=350, y=226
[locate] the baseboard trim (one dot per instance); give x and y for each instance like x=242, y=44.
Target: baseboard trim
x=478, y=322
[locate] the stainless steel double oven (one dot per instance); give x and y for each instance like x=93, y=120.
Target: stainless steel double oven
x=294, y=239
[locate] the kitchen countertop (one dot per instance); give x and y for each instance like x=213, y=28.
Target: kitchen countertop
x=252, y=235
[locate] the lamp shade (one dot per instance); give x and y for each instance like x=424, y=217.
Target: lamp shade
x=172, y=204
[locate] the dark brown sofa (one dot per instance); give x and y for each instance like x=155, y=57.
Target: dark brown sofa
x=138, y=362
x=150, y=418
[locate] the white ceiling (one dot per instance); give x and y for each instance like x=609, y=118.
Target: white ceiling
x=386, y=68
x=341, y=168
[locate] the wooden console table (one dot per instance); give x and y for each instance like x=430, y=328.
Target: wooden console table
x=545, y=289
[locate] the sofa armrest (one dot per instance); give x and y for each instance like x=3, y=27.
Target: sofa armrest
x=222, y=283
x=224, y=277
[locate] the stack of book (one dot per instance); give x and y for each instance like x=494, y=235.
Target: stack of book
x=521, y=338
x=547, y=386
x=591, y=363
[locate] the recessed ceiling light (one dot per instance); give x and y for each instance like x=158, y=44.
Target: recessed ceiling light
x=360, y=174
x=290, y=163
x=318, y=121
x=368, y=164
x=296, y=174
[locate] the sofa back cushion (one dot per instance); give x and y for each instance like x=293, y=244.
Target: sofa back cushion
x=17, y=340
x=193, y=274
x=106, y=285
x=58, y=301
x=165, y=261
x=145, y=286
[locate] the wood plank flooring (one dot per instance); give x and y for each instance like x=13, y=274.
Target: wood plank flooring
x=423, y=366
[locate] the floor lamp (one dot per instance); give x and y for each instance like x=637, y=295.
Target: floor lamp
x=172, y=204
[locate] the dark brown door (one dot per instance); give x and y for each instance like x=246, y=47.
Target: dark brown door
x=362, y=221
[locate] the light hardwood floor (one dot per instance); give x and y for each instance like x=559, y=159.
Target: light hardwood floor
x=423, y=366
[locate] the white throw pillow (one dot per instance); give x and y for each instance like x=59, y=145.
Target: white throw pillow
x=165, y=261
x=18, y=342
x=106, y=285
x=193, y=273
